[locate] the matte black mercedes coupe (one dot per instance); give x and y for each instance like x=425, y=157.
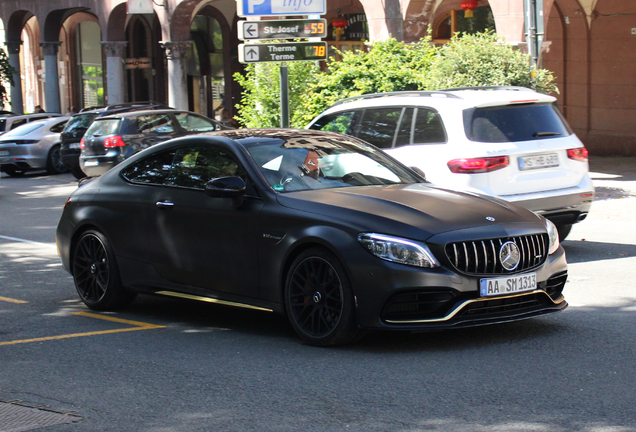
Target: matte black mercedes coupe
x=320, y=226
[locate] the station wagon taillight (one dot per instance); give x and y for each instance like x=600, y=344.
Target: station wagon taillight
x=82, y=144
x=478, y=165
x=114, y=141
x=578, y=154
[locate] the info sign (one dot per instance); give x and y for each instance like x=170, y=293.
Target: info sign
x=249, y=8
x=282, y=52
x=282, y=29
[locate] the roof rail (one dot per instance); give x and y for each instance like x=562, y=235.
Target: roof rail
x=121, y=105
x=407, y=93
x=515, y=88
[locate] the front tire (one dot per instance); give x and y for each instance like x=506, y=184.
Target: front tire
x=319, y=300
x=563, y=231
x=96, y=274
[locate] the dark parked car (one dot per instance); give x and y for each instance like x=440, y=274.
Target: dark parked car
x=317, y=225
x=110, y=140
x=79, y=123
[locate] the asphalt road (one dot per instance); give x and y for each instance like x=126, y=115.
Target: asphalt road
x=166, y=365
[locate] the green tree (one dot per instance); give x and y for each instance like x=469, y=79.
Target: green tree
x=6, y=76
x=480, y=59
x=260, y=105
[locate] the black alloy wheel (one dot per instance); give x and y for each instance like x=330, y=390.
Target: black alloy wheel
x=96, y=275
x=319, y=300
x=54, y=164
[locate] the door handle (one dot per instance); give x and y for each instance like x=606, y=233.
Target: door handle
x=165, y=204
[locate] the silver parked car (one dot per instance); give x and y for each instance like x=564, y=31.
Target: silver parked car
x=33, y=146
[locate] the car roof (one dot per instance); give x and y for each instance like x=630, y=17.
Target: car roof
x=145, y=112
x=476, y=97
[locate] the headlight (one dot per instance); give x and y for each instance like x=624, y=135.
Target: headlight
x=553, y=234
x=398, y=250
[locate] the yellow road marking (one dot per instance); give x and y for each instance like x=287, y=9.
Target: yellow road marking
x=138, y=326
x=10, y=300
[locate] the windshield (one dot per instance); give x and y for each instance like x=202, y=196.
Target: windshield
x=325, y=162
x=24, y=129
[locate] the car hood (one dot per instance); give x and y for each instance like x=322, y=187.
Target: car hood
x=415, y=211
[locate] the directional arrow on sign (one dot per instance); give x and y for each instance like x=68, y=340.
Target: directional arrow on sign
x=252, y=54
x=249, y=30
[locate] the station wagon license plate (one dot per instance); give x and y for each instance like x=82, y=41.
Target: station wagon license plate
x=546, y=160
x=489, y=287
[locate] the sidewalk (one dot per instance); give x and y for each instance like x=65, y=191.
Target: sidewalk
x=615, y=182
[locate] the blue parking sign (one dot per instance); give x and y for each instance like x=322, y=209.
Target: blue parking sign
x=281, y=7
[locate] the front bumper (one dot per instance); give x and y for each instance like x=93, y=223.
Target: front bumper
x=396, y=297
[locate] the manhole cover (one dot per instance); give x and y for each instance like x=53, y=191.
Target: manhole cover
x=19, y=418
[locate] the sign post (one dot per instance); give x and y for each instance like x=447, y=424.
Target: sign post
x=283, y=52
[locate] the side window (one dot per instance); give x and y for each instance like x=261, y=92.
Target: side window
x=429, y=127
x=195, y=123
x=17, y=123
x=404, y=132
x=152, y=170
x=378, y=126
x=340, y=122
x=155, y=123
x=193, y=167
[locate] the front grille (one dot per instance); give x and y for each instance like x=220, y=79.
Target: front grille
x=481, y=257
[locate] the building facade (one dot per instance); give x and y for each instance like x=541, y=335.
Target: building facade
x=71, y=54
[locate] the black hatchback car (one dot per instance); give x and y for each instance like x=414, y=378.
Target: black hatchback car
x=79, y=123
x=320, y=226
x=111, y=139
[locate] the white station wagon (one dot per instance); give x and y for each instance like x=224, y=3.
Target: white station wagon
x=509, y=142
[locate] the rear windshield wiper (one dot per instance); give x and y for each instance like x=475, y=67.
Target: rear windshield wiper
x=544, y=134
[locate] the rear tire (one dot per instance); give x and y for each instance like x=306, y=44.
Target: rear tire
x=77, y=172
x=96, y=274
x=319, y=300
x=563, y=231
x=54, y=163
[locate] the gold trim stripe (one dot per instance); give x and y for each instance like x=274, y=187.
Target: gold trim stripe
x=212, y=300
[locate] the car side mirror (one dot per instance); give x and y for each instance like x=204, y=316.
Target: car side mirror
x=419, y=172
x=227, y=187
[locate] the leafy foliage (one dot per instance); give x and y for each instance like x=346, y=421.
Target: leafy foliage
x=260, y=106
x=467, y=60
x=480, y=59
x=6, y=76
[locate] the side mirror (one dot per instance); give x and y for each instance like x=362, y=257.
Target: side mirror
x=225, y=187
x=419, y=172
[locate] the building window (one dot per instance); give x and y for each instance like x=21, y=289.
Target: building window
x=89, y=57
x=455, y=22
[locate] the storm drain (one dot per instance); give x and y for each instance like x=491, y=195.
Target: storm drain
x=19, y=418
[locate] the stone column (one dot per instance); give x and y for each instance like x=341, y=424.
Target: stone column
x=177, y=79
x=52, y=77
x=115, y=77
x=17, y=104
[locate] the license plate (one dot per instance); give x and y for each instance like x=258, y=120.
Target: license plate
x=74, y=145
x=539, y=161
x=507, y=285
x=4, y=152
x=91, y=163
